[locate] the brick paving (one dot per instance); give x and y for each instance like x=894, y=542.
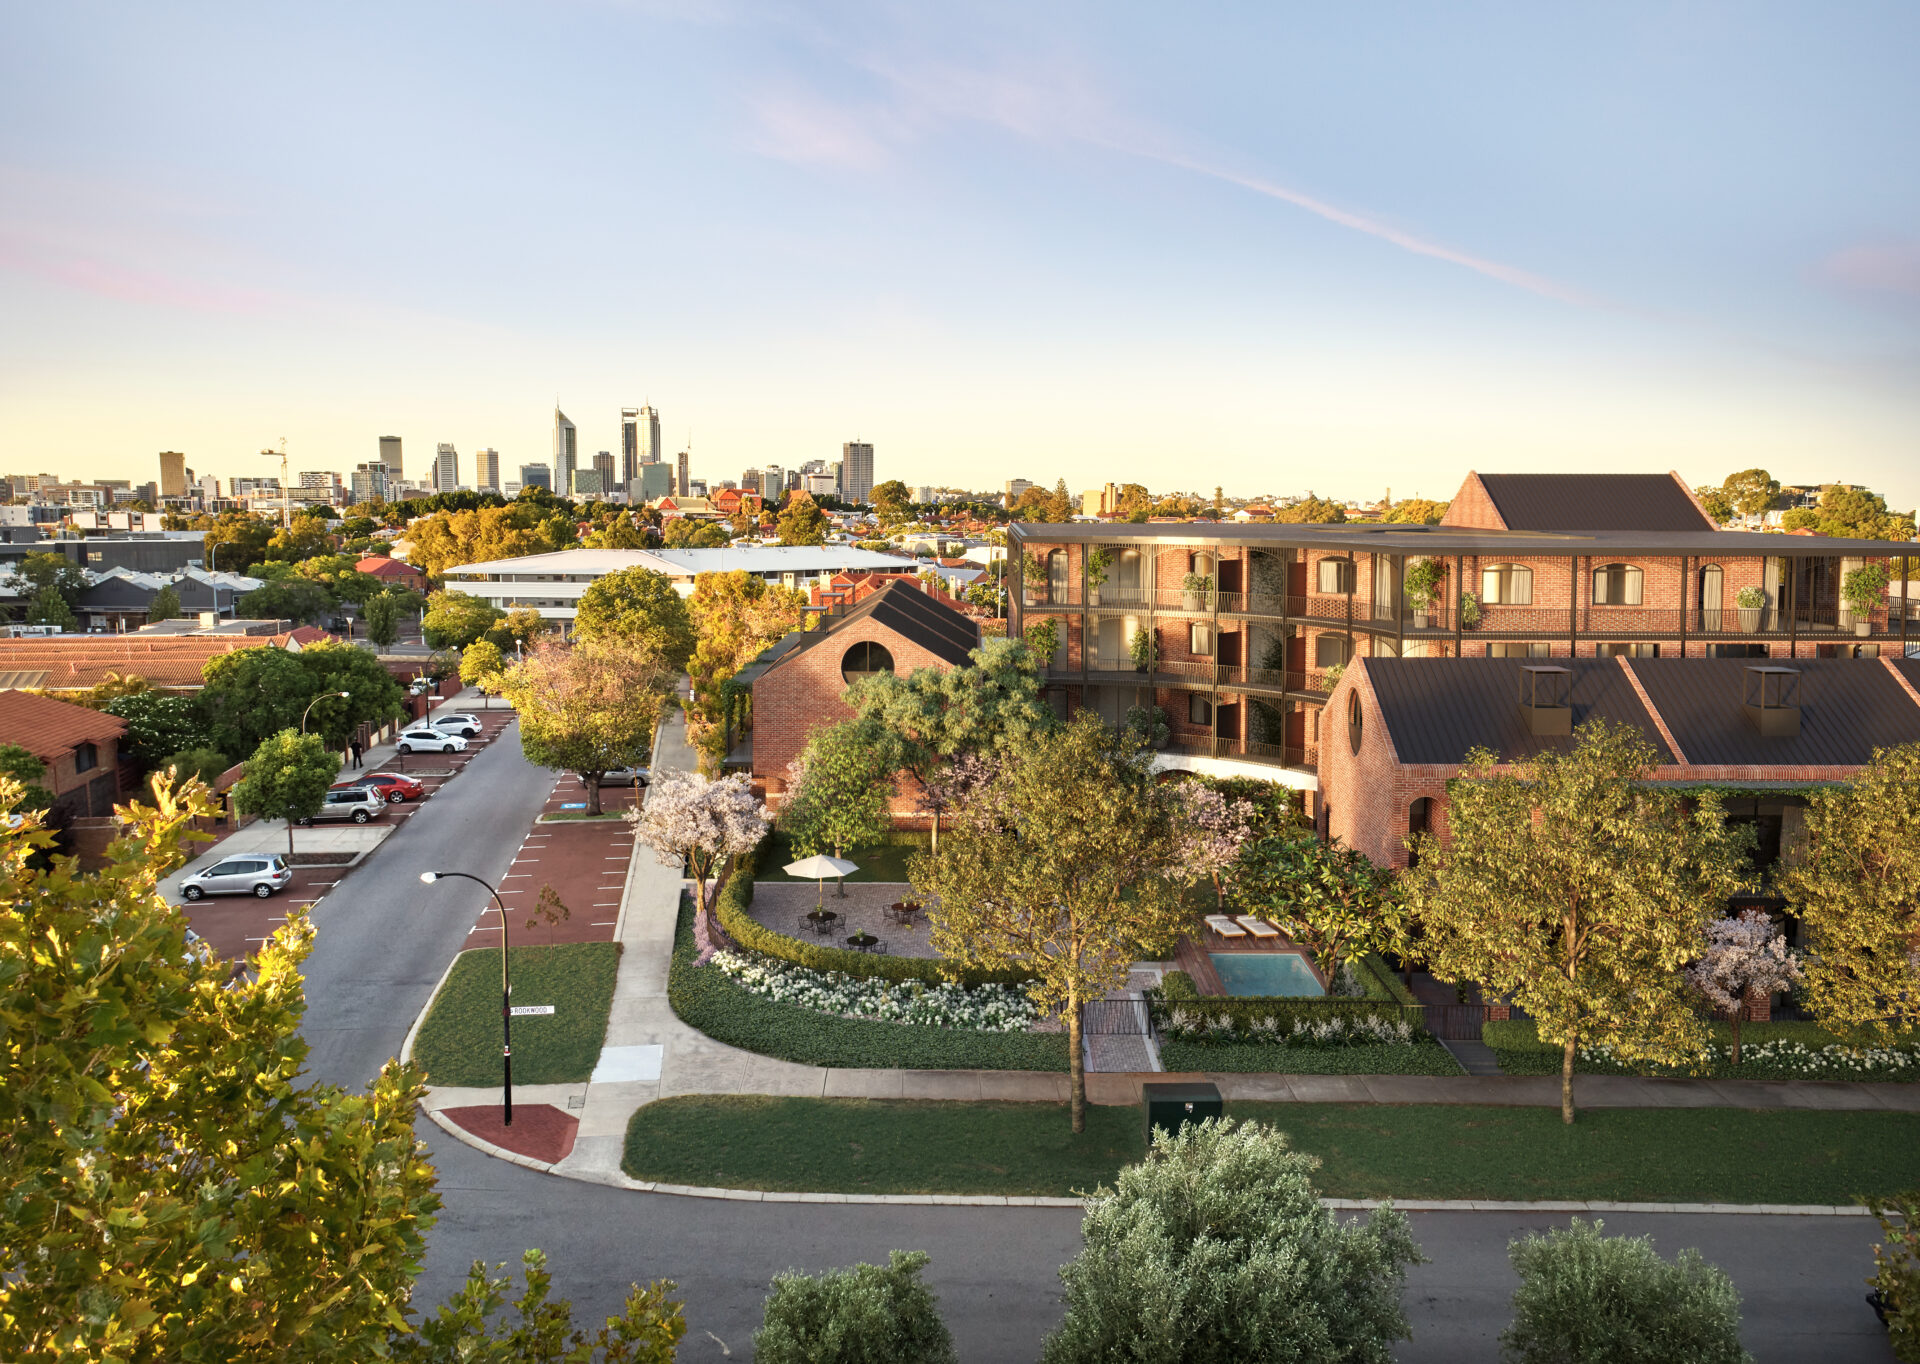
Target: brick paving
x=781, y=904
x=540, y=1131
x=585, y=864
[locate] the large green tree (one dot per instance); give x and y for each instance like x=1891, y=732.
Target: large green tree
x=303, y=537
x=1063, y=865
x=48, y=607
x=1751, y=491
x=164, y=606
x=236, y=539
x=44, y=570
x=1577, y=891
x=286, y=778
x=1312, y=510
x=456, y=619
x=1324, y=894
x=160, y=724
x=23, y=767
x=293, y=599
x=588, y=707
x=1856, y=888
x=383, y=612
x=637, y=604
x=802, y=522
x=251, y=693
x=839, y=788
x=687, y=532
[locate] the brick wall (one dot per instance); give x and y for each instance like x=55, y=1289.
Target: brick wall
x=1472, y=509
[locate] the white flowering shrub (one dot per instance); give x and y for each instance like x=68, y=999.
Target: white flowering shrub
x=984, y=1008
x=1837, y=1062
x=1335, y=1030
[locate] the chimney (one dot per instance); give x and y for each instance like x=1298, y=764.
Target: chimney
x=1545, y=699
x=1770, y=695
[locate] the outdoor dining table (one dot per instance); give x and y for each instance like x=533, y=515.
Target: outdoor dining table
x=902, y=912
x=863, y=942
x=821, y=921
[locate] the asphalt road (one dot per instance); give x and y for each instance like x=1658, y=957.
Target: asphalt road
x=384, y=940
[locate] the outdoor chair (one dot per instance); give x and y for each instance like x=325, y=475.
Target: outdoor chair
x=1224, y=926
x=1260, y=928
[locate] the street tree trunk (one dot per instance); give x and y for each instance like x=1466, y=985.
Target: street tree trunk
x=591, y=780
x=289, y=840
x=1076, y=1065
x=1566, y=1080
x=1738, y=1014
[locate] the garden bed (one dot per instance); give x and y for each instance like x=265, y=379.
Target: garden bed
x=883, y=862
x=459, y=1044
x=1421, y=1058
x=1769, y=1051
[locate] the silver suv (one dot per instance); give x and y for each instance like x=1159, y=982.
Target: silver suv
x=259, y=875
x=457, y=722
x=357, y=803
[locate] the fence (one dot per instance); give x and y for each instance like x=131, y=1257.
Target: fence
x=1113, y=1018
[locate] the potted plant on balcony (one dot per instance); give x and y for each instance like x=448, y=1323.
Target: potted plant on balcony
x=1750, y=602
x=1423, y=589
x=1330, y=677
x=1099, y=562
x=1195, y=588
x=1141, y=647
x=1043, y=641
x=1151, y=722
x=1033, y=578
x=1469, y=611
x=1862, y=590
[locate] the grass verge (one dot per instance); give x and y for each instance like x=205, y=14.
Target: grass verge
x=707, y=999
x=1423, y=1058
x=459, y=1044
x=1368, y=1150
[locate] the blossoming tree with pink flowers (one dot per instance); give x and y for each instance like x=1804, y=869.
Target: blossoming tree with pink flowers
x=1746, y=956
x=702, y=824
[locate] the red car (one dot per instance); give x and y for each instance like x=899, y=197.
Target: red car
x=393, y=786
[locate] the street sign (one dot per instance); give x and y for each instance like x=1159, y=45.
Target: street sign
x=574, y=805
x=530, y=1010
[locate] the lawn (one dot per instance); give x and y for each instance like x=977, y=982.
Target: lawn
x=459, y=1044
x=1370, y=1150
x=1423, y=1058
x=883, y=862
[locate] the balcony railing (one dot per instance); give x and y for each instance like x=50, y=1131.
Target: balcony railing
x=1278, y=755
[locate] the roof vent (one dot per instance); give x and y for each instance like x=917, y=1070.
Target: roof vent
x=1771, y=698
x=1545, y=704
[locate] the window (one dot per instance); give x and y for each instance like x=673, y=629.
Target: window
x=1355, y=721
x=1200, y=641
x=85, y=757
x=1331, y=650
x=864, y=658
x=1617, y=585
x=1626, y=651
x=1419, y=821
x=1200, y=562
x=1736, y=651
x=1520, y=650
x=1336, y=575
x=1057, y=577
x=1199, y=710
x=1506, y=585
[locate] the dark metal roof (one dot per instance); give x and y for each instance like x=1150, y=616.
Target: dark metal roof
x=1370, y=538
x=1437, y=709
x=1848, y=708
x=1590, y=502
x=900, y=606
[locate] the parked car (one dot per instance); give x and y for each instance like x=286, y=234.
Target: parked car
x=357, y=803
x=392, y=785
x=427, y=739
x=636, y=777
x=250, y=874
x=457, y=722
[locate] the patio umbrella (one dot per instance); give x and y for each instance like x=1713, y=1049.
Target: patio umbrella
x=820, y=868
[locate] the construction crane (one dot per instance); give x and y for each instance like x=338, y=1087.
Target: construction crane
x=286, y=492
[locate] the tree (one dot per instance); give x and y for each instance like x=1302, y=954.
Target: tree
x=637, y=604
x=251, y=693
x=48, y=607
x=164, y=606
x=1860, y=514
x=619, y=531
x=1585, y=1298
x=1324, y=893
x=1857, y=891
x=1416, y=511
x=382, y=613
x=526, y=526
x=1745, y=957
x=1214, y=831
x=523, y=625
x=839, y=787
x=287, y=778
x=868, y=1314
x=1216, y=1250
x=1800, y=518
x=705, y=825
x=1312, y=510
x=293, y=599
x=1027, y=879
x=23, y=769
x=890, y=499
x=43, y=570
x=1578, y=893
x=735, y=615
x=303, y=537
x=159, y=724
x=539, y=1329
x=481, y=664
x=194, y=764
x=1751, y=491
x=1896, y=1266
x=1718, y=505
x=456, y=619
x=588, y=707
x=684, y=532
x=802, y=522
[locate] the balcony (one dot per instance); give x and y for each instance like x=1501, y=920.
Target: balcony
x=1305, y=756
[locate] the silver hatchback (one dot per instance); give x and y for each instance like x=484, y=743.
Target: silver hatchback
x=259, y=875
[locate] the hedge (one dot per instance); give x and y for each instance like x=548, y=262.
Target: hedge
x=1522, y=1035
x=750, y=933
x=1244, y=1010
x=1519, y=1051
x=1423, y=1058
x=708, y=999
x=1381, y=982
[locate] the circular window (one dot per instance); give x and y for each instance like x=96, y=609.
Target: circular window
x=864, y=658
x=1353, y=720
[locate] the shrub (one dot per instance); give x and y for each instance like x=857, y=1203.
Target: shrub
x=1896, y=1262
x=1216, y=1249
x=1247, y=1013
x=864, y=1315
x=1585, y=1298
x=1178, y=985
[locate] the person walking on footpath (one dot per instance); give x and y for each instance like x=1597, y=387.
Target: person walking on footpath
x=353, y=747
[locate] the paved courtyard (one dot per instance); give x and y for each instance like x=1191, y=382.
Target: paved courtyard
x=780, y=905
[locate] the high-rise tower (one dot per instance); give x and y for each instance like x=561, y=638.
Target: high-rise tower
x=390, y=456
x=446, y=469
x=629, y=445
x=856, y=471
x=173, y=474
x=486, y=471
x=649, y=435
x=566, y=450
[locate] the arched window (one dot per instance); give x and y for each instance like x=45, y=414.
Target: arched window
x=1355, y=721
x=1617, y=585
x=1506, y=585
x=1057, y=577
x=1712, y=582
x=865, y=658
x=1200, y=561
x=1419, y=821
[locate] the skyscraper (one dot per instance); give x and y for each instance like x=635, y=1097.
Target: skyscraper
x=649, y=435
x=680, y=474
x=603, y=466
x=629, y=444
x=370, y=482
x=390, y=456
x=566, y=450
x=173, y=474
x=486, y=470
x=586, y=483
x=446, y=469
x=772, y=484
x=536, y=476
x=856, y=471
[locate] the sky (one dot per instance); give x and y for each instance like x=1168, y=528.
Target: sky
x=1271, y=247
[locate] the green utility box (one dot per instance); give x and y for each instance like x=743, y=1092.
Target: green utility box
x=1174, y=1106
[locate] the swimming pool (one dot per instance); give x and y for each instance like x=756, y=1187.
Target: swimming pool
x=1265, y=973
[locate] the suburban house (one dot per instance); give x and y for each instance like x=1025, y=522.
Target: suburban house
x=797, y=683
x=120, y=598
x=1239, y=633
x=169, y=659
x=392, y=572
x=81, y=748
x=553, y=583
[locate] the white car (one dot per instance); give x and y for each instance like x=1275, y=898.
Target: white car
x=457, y=722
x=427, y=739
x=259, y=875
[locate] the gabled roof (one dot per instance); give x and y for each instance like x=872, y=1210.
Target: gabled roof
x=1576, y=502
x=899, y=606
x=1848, y=708
x=49, y=729
x=71, y=662
x=1438, y=709
x=384, y=566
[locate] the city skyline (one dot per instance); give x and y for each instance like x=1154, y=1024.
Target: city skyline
x=1095, y=246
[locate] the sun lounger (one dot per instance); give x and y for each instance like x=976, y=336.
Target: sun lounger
x=1224, y=926
x=1260, y=928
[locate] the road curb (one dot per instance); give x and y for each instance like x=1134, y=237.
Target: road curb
x=406, y=1047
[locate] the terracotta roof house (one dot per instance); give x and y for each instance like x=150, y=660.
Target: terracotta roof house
x=393, y=572
x=80, y=747
x=172, y=662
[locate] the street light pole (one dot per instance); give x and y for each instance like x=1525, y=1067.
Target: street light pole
x=506, y=993
x=316, y=701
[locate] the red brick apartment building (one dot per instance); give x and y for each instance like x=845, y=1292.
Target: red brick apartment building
x=1253, y=626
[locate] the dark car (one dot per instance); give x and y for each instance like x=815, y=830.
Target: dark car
x=391, y=785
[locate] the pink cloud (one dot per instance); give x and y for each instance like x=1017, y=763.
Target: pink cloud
x=122, y=283
x=1875, y=267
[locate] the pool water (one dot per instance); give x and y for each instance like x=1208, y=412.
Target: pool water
x=1265, y=973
